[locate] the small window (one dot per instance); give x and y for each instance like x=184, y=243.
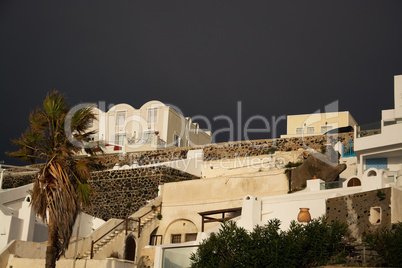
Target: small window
x=372, y=173
x=325, y=128
x=120, y=118
x=299, y=130
x=155, y=240
x=310, y=130
x=375, y=215
x=152, y=115
x=354, y=182
x=191, y=237
x=176, y=238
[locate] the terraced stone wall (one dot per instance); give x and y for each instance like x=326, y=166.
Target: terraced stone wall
x=120, y=193
x=218, y=151
x=13, y=181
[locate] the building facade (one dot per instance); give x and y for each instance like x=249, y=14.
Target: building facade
x=379, y=145
x=151, y=127
x=317, y=123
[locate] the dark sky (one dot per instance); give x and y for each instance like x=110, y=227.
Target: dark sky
x=276, y=57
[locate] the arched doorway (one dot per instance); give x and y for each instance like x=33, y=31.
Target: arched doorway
x=129, y=252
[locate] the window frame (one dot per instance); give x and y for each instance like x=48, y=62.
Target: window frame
x=118, y=116
x=175, y=238
x=152, y=115
x=299, y=130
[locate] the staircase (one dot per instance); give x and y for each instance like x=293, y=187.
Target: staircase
x=122, y=228
x=147, y=218
x=99, y=245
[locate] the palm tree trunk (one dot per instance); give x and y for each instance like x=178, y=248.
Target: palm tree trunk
x=52, y=248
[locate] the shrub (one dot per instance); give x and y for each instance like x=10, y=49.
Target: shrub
x=388, y=244
x=114, y=254
x=302, y=245
x=272, y=150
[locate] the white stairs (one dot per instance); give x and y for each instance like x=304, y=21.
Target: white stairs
x=99, y=245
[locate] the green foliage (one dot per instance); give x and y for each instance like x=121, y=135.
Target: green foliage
x=159, y=216
x=272, y=150
x=388, y=244
x=381, y=195
x=307, y=245
x=295, y=164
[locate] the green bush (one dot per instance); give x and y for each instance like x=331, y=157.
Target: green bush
x=388, y=244
x=302, y=245
x=272, y=150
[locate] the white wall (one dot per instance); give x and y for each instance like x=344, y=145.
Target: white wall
x=395, y=163
x=287, y=207
x=87, y=225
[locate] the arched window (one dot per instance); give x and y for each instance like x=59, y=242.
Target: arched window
x=155, y=239
x=354, y=182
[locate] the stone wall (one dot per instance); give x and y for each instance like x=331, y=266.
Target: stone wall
x=13, y=181
x=260, y=147
x=218, y=151
x=355, y=211
x=214, y=151
x=120, y=193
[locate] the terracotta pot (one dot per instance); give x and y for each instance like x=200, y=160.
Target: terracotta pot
x=156, y=133
x=304, y=215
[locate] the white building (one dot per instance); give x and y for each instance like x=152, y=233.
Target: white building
x=379, y=145
x=17, y=217
x=153, y=126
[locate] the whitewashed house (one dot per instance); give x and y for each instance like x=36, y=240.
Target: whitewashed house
x=153, y=126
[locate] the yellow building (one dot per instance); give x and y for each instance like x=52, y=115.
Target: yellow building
x=317, y=123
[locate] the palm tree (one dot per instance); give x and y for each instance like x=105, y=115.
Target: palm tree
x=62, y=176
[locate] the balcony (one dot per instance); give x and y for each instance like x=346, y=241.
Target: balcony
x=368, y=129
x=330, y=185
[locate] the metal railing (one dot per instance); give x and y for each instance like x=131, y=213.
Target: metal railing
x=153, y=210
x=348, y=149
x=97, y=240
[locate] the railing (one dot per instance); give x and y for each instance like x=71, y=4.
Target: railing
x=348, y=150
x=330, y=185
x=145, y=140
x=94, y=242
x=155, y=209
x=368, y=129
